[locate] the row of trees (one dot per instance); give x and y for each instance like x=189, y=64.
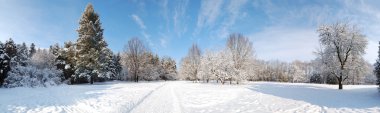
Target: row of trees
x=87, y=60
x=142, y=64
x=25, y=66
x=339, y=61
x=232, y=63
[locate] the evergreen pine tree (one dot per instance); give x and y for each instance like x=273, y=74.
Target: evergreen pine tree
x=90, y=46
x=32, y=50
x=118, y=67
x=22, y=55
x=377, y=68
x=106, y=65
x=10, y=48
x=4, y=63
x=69, y=57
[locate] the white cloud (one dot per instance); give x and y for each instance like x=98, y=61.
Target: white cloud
x=138, y=21
x=285, y=44
x=164, y=5
x=147, y=38
x=234, y=14
x=208, y=14
x=365, y=14
x=180, y=17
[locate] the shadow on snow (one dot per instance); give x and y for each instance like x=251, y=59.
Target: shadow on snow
x=321, y=96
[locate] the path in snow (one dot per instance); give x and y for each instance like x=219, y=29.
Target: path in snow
x=162, y=100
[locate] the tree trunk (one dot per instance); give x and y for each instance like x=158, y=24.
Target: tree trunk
x=340, y=82
x=92, y=79
x=207, y=80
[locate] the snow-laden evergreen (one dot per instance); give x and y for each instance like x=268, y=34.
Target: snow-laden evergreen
x=4, y=63
x=377, y=68
x=92, y=54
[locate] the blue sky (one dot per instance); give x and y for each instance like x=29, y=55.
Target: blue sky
x=279, y=29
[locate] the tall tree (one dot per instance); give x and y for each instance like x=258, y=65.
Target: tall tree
x=342, y=43
x=169, y=69
x=242, y=51
x=10, y=48
x=118, y=67
x=32, y=50
x=191, y=63
x=4, y=64
x=22, y=55
x=133, y=53
x=377, y=68
x=89, y=46
x=69, y=56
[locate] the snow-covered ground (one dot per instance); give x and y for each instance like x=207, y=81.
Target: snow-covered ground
x=188, y=97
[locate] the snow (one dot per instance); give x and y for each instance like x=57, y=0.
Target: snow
x=188, y=97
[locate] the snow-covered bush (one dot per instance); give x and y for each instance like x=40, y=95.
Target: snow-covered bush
x=30, y=76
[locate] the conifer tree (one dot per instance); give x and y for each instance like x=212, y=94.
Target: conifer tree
x=32, y=50
x=22, y=55
x=377, y=68
x=118, y=67
x=90, y=45
x=4, y=63
x=10, y=48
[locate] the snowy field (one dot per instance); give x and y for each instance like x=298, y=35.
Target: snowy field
x=188, y=97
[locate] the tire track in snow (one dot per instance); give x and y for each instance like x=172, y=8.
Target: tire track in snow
x=144, y=98
x=177, y=105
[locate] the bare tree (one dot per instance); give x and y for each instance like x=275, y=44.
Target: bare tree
x=342, y=44
x=242, y=51
x=133, y=53
x=191, y=63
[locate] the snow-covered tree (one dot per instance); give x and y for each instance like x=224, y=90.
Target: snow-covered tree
x=191, y=63
x=242, y=52
x=10, y=48
x=89, y=47
x=22, y=55
x=133, y=57
x=342, y=43
x=224, y=66
x=106, y=65
x=208, y=66
x=169, y=69
x=377, y=68
x=117, y=69
x=43, y=59
x=150, y=67
x=32, y=50
x=297, y=74
x=4, y=63
x=68, y=54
